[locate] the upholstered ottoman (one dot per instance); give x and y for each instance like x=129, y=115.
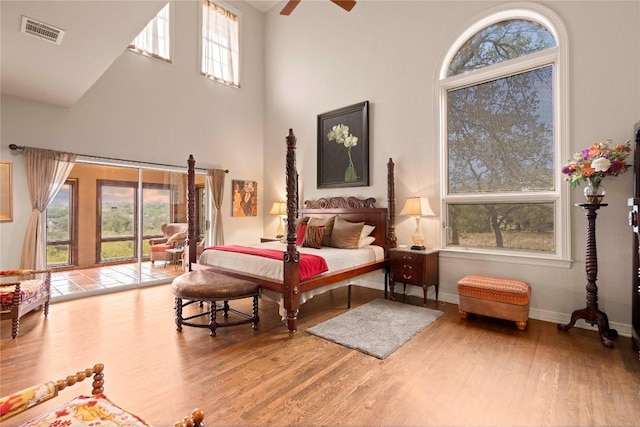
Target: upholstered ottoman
x=207, y=286
x=495, y=297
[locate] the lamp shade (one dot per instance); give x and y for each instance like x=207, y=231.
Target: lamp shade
x=417, y=206
x=278, y=208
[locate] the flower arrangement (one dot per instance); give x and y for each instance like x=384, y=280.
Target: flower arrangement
x=599, y=160
x=340, y=133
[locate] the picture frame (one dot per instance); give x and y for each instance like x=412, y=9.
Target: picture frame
x=244, y=198
x=343, y=161
x=6, y=192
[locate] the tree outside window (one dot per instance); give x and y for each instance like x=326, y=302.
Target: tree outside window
x=500, y=176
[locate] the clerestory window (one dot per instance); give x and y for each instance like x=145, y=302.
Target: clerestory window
x=220, y=59
x=155, y=39
x=504, y=136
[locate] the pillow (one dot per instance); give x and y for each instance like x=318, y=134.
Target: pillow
x=302, y=229
x=366, y=241
x=313, y=237
x=328, y=228
x=346, y=234
x=366, y=230
x=176, y=238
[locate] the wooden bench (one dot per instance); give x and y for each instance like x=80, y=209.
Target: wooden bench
x=497, y=297
x=207, y=286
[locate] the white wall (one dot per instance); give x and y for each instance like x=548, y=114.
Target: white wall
x=151, y=111
x=388, y=52
x=321, y=58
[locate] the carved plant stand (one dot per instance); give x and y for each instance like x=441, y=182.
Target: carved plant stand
x=591, y=314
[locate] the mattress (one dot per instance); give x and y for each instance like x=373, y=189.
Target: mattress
x=337, y=259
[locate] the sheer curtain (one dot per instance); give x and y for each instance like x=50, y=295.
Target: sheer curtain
x=46, y=172
x=215, y=179
x=220, y=47
x=155, y=38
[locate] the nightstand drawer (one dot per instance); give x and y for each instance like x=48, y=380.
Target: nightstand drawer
x=408, y=274
x=406, y=258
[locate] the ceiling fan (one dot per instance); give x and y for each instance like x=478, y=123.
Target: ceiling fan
x=291, y=4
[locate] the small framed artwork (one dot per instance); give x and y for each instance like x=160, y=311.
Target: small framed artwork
x=6, y=192
x=343, y=147
x=245, y=198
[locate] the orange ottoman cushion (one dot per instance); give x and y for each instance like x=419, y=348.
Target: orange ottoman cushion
x=496, y=289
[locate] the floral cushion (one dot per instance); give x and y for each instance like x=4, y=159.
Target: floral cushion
x=29, y=290
x=95, y=410
x=25, y=399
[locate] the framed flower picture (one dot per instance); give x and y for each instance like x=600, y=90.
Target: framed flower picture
x=343, y=147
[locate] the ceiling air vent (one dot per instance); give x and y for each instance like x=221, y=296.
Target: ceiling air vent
x=41, y=30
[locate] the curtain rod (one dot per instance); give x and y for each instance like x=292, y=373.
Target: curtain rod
x=22, y=147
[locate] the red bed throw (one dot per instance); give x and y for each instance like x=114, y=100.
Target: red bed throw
x=310, y=264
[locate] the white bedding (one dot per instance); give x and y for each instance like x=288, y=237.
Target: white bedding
x=337, y=259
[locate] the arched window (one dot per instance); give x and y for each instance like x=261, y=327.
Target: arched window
x=504, y=136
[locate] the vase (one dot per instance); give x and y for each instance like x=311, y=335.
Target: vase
x=594, y=191
x=350, y=173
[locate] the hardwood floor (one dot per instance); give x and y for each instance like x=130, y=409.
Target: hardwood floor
x=455, y=372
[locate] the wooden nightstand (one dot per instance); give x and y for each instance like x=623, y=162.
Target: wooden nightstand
x=418, y=268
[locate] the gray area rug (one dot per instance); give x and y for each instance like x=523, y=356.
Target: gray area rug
x=377, y=328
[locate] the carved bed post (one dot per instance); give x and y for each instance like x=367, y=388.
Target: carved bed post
x=291, y=256
x=391, y=202
x=191, y=211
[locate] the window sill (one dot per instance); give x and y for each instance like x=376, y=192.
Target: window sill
x=509, y=258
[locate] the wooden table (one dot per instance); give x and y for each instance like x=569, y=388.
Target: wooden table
x=176, y=254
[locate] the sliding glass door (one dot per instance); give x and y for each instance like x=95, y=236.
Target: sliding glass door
x=104, y=219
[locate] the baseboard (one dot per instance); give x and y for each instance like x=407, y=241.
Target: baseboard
x=624, y=330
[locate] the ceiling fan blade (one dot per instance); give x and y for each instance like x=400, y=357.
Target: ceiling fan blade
x=288, y=8
x=345, y=4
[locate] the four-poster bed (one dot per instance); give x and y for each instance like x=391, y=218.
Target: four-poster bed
x=290, y=289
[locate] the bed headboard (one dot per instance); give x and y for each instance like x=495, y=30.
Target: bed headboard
x=354, y=210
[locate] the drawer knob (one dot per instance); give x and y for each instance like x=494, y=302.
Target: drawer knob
x=406, y=257
x=407, y=266
x=407, y=276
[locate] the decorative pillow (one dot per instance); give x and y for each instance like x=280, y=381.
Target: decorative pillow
x=366, y=241
x=346, y=234
x=366, y=230
x=313, y=237
x=328, y=228
x=302, y=220
x=178, y=237
x=302, y=229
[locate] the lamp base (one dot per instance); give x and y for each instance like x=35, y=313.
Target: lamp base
x=417, y=248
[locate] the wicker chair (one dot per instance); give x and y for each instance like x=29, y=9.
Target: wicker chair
x=19, y=297
x=175, y=234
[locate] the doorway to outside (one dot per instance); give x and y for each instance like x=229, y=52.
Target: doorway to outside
x=100, y=224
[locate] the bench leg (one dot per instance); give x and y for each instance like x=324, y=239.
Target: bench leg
x=177, y=314
x=463, y=314
x=212, y=319
x=256, y=318
x=522, y=325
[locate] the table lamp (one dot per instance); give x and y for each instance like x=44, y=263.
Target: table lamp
x=417, y=207
x=280, y=209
